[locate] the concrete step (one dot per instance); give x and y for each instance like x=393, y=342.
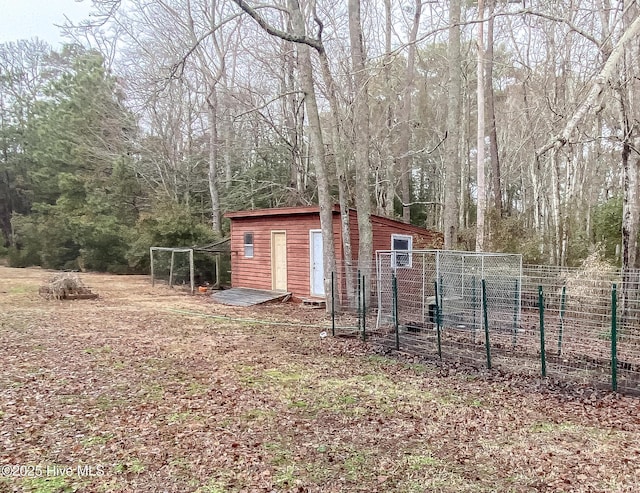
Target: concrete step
x=314, y=302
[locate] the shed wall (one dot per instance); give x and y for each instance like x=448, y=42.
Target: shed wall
x=256, y=272
x=383, y=228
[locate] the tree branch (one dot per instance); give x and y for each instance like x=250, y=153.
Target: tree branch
x=495, y=15
x=598, y=87
x=258, y=108
x=313, y=43
x=177, y=70
x=424, y=149
x=418, y=202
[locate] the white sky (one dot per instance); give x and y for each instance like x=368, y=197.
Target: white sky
x=26, y=19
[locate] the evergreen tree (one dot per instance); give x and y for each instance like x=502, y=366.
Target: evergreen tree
x=78, y=144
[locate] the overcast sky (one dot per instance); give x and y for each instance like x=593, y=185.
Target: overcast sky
x=26, y=19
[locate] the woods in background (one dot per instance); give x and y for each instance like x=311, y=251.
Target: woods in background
x=162, y=115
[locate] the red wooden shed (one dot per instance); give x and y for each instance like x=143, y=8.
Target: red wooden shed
x=281, y=249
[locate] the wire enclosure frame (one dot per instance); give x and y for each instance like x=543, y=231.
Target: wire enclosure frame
x=458, y=276
x=173, y=252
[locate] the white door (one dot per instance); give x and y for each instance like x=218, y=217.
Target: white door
x=317, y=263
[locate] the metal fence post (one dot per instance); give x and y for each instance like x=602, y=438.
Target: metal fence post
x=614, y=337
x=333, y=305
x=563, y=300
x=441, y=288
x=543, y=356
x=394, y=285
x=364, y=311
x=437, y=314
x=153, y=277
x=515, y=314
x=359, y=302
x=173, y=254
x=486, y=323
x=474, y=301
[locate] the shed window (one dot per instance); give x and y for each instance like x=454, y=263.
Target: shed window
x=401, y=243
x=248, y=245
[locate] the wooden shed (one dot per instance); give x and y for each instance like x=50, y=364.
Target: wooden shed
x=281, y=249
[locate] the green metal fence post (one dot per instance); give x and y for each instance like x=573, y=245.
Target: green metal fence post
x=515, y=313
x=394, y=285
x=486, y=323
x=364, y=311
x=563, y=299
x=359, y=302
x=437, y=314
x=543, y=356
x=441, y=297
x=614, y=337
x=474, y=301
x=333, y=305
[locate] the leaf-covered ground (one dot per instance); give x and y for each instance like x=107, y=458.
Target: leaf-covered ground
x=136, y=392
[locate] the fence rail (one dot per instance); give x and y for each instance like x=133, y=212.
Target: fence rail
x=575, y=325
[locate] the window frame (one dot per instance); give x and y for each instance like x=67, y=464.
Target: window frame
x=249, y=248
x=397, y=259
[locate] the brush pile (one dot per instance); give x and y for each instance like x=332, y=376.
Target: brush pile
x=590, y=286
x=66, y=286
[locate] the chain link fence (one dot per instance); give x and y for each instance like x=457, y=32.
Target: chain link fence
x=577, y=325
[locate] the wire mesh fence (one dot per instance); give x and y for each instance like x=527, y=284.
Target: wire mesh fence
x=173, y=266
x=579, y=325
x=353, y=299
x=458, y=277
x=586, y=323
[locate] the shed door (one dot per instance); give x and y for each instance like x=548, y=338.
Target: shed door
x=317, y=262
x=279, y=260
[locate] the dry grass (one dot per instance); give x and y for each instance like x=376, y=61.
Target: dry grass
x=589, y=283
x=156, y=399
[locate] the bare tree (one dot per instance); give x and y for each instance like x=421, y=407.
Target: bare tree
x=480, y=173
x=452, y=150
x=405, y=128
x=304, y=43
x=560, y=111
x=490, y=100
x=361, y=144
x=340, y=154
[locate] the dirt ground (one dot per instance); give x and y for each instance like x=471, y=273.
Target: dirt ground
x=154, y=390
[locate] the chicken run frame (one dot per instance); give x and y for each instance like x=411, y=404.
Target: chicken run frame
x=449, y=284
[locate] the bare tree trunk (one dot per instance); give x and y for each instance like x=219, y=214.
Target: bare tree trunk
x=405, y=127
x=389, y=187
x=629, y=111
x=341, y=171
x=294, y=120
x=303, y=44
x=482, y=200
x=361, y=145
x=493, y=133
x=229, y=140
x=465, y=174
x=212, y=101
x=452, y=157
x=631, y=205
x=317, y=147
x=630, y=217
x=556, y=204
